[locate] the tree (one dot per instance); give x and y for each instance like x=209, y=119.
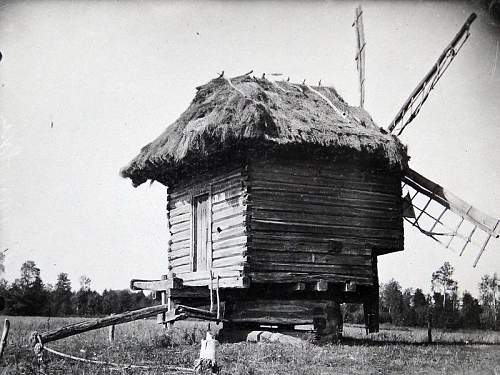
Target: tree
x=490, y=300
x=27, y=295
x=421, y=306
x=470, y=312
x=392, y=301
x=62, y=295
x=442, y=282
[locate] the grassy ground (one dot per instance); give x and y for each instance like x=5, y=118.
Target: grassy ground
x=393, y=350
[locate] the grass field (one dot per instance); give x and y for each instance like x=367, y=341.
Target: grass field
x=393, y=350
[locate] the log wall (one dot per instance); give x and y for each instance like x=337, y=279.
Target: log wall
x=311, y=221
x=227, y=244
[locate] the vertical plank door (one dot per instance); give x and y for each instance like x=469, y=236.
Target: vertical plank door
x=201, y=223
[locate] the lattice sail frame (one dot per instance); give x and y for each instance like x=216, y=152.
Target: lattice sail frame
x=446, y=218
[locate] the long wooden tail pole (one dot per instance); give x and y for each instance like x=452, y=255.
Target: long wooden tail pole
x=180, y=312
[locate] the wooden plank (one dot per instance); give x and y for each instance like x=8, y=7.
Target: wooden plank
x=298, y=197
x=308, y=258
x=321, y=219
x=342, y=207
x=318, y=268
x=298, y=240
x=305, y=168
x=234, y=260
x=228, y=213
x=179, y=219
x=338, y=230
x=180, y=210
x=228, y=194
x=289, y=277
x=260, y=242
x=340, y=192
x=231, y=242
x=179, y=253
x=232, y=232
x=155, y=285
x=174, y=229
x=230, y=222
x=231, y=251
x=181, y=236
x=89, y=325
x=391, y=184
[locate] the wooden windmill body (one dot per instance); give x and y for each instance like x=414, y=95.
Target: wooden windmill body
x=281, y=197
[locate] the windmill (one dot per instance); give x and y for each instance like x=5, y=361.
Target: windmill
x=432, y=209
x=281, y=197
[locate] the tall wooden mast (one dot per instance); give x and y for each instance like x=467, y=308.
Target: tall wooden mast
x=360, y=54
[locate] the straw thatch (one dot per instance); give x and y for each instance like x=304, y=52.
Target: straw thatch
x=247, y=112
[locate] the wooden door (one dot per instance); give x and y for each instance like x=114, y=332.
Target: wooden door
x=201, y=227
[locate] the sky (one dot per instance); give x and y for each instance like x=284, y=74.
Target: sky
x=84, y=85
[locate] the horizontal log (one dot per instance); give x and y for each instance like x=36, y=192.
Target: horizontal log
x=180, y=244
x=306, y=258
x=230, y=242
x=155, y=285
x=231, y=251
x=178, y=262
x=178, y=219
x=390, y=185
x=230, y=222
x=180, y=253
x=334, y=191
x=351, y=270
x=234, y=260
x=231, y=232
x=174, y=229
x=387, y=183
x=307, y=277
x=339, y=209
x=228, y=213
x=262, y=243
x=301, y=239
x=85, y=326
x=189, y=292
x=185, y=235
x=325, y=219
x=338, y=230
x=298, y=197
x=182, y=209
x=232, y=193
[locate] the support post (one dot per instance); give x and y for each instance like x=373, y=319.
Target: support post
x=5, y=334
x=111, y=333
x=429, y=327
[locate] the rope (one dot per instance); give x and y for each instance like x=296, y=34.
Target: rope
x=39, y=347
x=144, y=367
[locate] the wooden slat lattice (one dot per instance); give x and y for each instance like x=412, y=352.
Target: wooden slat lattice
x=445, y=218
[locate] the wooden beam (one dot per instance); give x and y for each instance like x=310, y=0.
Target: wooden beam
x=299, y=286
x=156, y=285
x=89, y=325
x=321, y=285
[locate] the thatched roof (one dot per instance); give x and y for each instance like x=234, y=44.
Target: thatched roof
x=251, y=112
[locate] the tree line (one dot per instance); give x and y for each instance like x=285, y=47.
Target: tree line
x=444, y=307
x=30, y=296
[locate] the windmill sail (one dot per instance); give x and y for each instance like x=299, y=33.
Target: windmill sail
x=447, y=218
x=414, y=103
